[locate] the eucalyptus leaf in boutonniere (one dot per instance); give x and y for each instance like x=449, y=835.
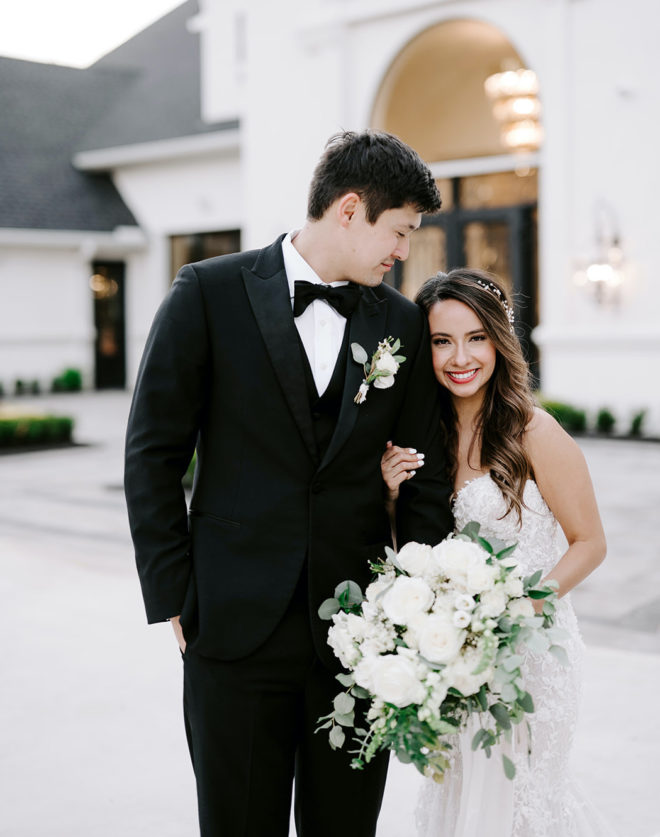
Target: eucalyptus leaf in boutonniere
x=384, y=365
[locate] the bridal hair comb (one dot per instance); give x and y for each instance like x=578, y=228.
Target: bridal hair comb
x=498, y=293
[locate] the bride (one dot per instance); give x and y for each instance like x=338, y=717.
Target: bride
x=525, y=480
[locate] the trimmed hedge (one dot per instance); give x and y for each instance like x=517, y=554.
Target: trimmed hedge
x=570, y=418
x=27, y=431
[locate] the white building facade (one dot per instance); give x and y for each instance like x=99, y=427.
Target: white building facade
x=291, y=74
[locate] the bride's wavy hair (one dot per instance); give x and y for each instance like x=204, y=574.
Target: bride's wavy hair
x=508, y=403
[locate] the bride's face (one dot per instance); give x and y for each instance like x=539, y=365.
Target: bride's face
x=463, y=354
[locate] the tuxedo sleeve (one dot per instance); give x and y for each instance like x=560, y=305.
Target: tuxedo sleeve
x=423, y=510
x=162, y=431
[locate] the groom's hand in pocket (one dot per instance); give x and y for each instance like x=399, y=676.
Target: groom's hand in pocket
x=178, y=632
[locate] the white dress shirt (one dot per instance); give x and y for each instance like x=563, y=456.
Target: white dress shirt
x=320, y=327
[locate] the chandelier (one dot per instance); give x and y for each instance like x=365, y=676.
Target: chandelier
x=516, y=106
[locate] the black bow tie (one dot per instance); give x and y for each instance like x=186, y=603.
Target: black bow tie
x=343, y=299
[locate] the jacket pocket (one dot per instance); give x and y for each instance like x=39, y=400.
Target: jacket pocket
x=223, y=521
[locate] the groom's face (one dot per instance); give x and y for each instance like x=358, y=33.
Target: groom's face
x=372, y=249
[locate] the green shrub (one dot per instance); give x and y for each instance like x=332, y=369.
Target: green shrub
x=35, y=430
x=605, y=421
x=19, y=387
x=637, y=423
x=69, y=381
x=572, y=419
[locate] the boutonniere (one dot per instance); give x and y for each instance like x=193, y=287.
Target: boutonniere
x=384, y=365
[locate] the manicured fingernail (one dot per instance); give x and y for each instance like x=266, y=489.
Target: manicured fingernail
x=421, y=456
x=411, y=474
x=412, y=450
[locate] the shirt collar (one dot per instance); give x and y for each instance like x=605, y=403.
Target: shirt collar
x=297, y=269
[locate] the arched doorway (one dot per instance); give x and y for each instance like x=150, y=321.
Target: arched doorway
x=433, y=97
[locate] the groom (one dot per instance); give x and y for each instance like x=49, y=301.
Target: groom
x=249, y=362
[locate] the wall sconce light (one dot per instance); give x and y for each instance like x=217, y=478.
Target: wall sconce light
x=604, y=275
x=516, y=107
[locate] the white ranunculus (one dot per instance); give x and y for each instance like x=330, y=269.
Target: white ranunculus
x=461, y=619
x=464, y=602
x=394, y=678
x=406, y=598
x=513, y=586
x=439, y=641
x=492, y=603
x=460, y=673
x=520, y=607
x=415, y=558
x=386, y=363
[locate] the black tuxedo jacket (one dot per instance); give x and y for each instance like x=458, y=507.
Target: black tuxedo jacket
x=222, y=370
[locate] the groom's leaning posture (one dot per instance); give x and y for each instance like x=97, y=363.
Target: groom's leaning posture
x=248, y=360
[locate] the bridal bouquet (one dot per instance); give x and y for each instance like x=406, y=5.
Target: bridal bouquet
x=436, y=638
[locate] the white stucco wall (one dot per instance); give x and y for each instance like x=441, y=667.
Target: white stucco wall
x=46, y=316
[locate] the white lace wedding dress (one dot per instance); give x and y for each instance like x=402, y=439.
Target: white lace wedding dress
x=476, y=799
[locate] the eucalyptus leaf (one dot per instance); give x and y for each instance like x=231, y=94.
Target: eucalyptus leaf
x=471, y=529
x=560, y=654
x=359, y=692
x=482, y=697
x=350, y=591
x=511, y=663
x=395, y=346
x=501, y=715
x=509, y=767
x=345, y=679
x=537, y=642
x=533, y=580
x=345, y=719
x=526, y=702
x=337, y=738
x=509, y=692
x=399, y=359
x=539, y=594
x=344, y=704
x=505, y=552
x=359, y=354
x=479, y=736
x=328, y=609
x=484, y=544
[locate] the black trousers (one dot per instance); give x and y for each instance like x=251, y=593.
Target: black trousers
x=250, y=726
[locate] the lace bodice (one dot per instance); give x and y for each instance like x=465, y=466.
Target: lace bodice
x=475, y=798
x=540, y=540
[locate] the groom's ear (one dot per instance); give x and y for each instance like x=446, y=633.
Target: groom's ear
x=346, y=207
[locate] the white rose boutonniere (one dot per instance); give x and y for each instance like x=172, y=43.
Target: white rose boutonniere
x=381, y=370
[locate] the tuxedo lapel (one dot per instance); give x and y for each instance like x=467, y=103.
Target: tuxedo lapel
x=366, y=328
x=269, y=298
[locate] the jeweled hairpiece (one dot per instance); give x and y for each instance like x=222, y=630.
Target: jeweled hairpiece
x=498, y=293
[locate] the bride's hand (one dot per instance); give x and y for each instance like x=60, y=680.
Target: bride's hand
x=397, y=465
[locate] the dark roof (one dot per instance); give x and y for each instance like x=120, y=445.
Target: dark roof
x=45, y=109
x=161, y=97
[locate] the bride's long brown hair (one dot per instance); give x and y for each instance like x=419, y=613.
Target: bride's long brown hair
x=508, y=402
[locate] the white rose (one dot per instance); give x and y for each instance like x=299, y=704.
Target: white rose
x=386, y=363
x=492, y=603
x=406, y=598
x=513, y=586
x=439, y=641
x=520, y=607
x=395, y=680
x=415, y=558
x=455, y=556
x=481, y=577
x=459, y=673
x=364, y=671
x=377, y=587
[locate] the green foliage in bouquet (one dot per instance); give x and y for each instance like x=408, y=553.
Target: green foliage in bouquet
x=411, y=703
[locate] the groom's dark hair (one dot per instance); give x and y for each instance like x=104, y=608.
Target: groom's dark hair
x=384, y=171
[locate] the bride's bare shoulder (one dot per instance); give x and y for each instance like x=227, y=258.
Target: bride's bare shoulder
x=546, y=438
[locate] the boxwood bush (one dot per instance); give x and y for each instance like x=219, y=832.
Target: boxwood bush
x=26, y=431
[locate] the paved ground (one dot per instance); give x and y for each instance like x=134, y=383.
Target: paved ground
x=91, y=738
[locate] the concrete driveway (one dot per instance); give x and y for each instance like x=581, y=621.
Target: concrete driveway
x=92, y=741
